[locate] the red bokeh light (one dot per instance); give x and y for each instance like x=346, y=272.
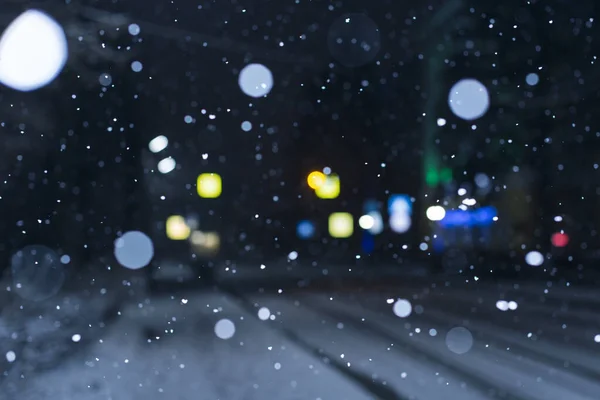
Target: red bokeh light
x=560, y=239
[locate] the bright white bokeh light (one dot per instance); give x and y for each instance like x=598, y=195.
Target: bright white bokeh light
x=134, y=250
x=459, y=340
x=402, y=308
x=159, y=143
x=502, y=305
x=366, y=222
x=469, y=99
x=255, y=80
x=293, y=255
x=400, y=223
x=441, y=122
x=534, y=258
x=224, y=329
x=166, y=165
x=377, y=226
x=597, y=338
x=264, y=313
x=435, y=213
x=33, y=51
x=512, y=305
x=76, y=338
x=11, y=356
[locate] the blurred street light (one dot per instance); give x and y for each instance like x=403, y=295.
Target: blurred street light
x=209, y=185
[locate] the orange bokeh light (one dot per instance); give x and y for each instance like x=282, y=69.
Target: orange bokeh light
x=316, y=179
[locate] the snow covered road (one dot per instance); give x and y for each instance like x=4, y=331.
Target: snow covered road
x=439, y=343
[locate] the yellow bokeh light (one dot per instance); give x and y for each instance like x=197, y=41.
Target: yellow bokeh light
x=341, y=225
x=209, y=186
x=316, y=179
x=177, y=228
x=330, y=189
x=207, y=243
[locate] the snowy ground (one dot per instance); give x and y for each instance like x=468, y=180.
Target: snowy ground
x=37, y=335
x=337, y=345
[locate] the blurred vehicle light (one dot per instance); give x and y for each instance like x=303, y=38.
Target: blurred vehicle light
x=435, y=213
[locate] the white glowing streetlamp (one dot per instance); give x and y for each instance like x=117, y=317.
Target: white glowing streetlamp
x=33, y=51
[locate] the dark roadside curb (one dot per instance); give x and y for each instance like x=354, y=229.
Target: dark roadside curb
x=306, y=277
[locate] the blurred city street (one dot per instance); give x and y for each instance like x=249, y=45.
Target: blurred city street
x=409, y=339
x=299, y=200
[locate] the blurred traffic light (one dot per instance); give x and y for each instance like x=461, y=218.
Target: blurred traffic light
x=316, y=179
x=559, y=239
x=434, y=177
x=209, y=185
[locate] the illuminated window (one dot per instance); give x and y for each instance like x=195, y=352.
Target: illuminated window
x=177, y=228
x=341, y=225
x=209, y=186
x=330, y=189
